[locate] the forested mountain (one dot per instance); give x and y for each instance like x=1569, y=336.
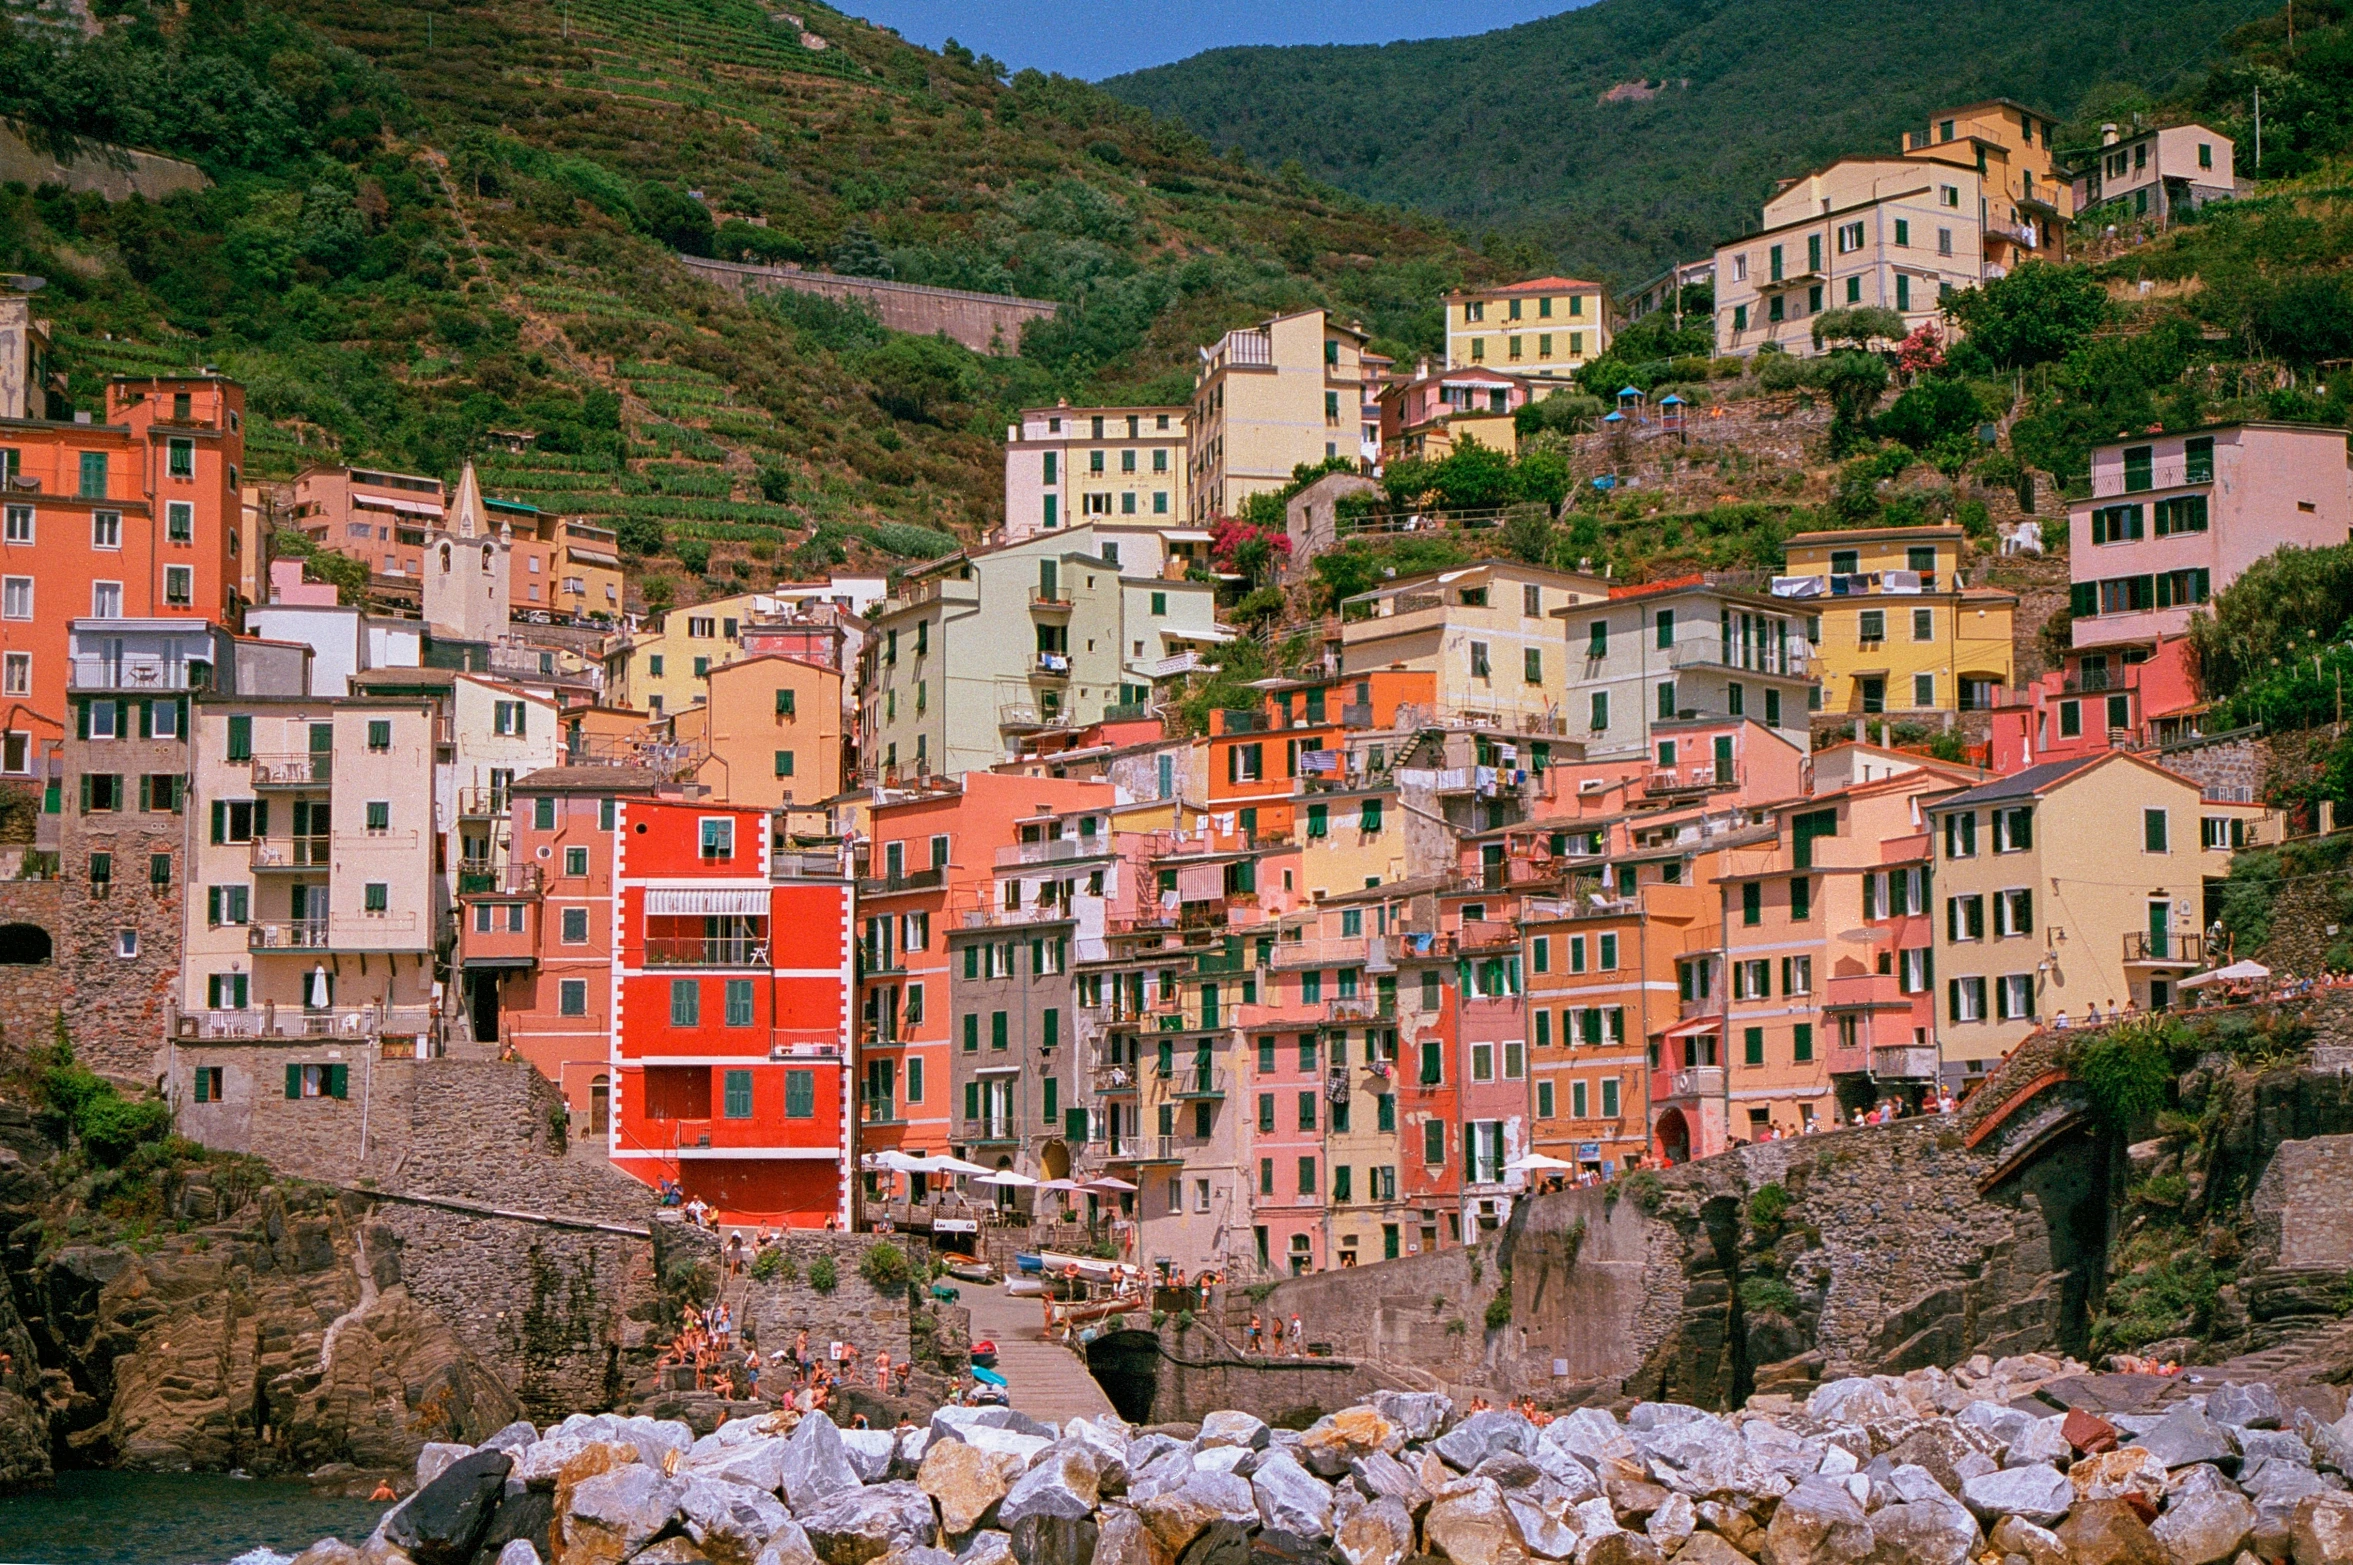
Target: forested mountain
x=431, y=220
x=1631, y=133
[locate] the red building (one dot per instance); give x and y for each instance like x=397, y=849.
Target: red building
x=2132, y=696
x=133, y=518
x=731, y=994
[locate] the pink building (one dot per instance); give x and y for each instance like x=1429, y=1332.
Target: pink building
x=2174, y=519
x=381, y=518
x=2133, y=695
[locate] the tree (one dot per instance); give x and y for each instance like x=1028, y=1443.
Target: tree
x=1528, y=534
x=2038, y=314
x=857, y=255
x=1859, y=324
x=1473, y=477
x=349, y=576
x=1852, y=381
x=914, y=377
x=1928, y=412
x=639, y=535
x=2283, y=606
x=675, y=218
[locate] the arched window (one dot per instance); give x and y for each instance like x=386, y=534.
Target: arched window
x=486, y=559
x=23, y=945
x=445, y=558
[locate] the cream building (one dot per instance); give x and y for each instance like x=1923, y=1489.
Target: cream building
x=1486, y=631
x=984, y=646
x=2067, y=886
x=1067, y=466
x=312, y=906
x=2028, y=200
x=1896, y=233
x=1286, y=393
x=1546, y=327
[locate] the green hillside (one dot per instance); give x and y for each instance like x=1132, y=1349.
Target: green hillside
x=1630, y=133
x=434, y=220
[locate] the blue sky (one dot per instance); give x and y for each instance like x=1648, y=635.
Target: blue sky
x=1099, y=41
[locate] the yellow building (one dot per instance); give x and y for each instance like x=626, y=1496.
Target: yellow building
x=2067, y=886
x=2028, y=201
x=771, y=733
x=1546, y=327
x=1066, y=466
x=1270, y=398
x=1893, y=630
x=662, y=668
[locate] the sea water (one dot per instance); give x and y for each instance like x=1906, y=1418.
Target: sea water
x=172, y=1519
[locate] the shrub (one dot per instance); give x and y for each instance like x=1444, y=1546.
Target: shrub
x=773, y=1265
x=885, y=1266
x=1768, y=1205
x=2127, y=1069
x=1498, y=1312
x=694, y=554
x=823, y=1276
x=1767, y=1296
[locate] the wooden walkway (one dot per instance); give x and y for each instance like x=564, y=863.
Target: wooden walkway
x=1047, y=1380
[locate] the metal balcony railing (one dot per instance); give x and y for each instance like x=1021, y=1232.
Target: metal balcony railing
x=313, y=769
x=696, y=951
x=1697, y=1081
x=510, y=880
x=481, y=803
x=137, y=671
x=288, y=853
x=1904, y=1062
x=2142, y=945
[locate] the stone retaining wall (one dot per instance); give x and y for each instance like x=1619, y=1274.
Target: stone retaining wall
x=983, y=322
x=31, y=996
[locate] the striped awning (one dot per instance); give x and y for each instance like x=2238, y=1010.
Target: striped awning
x=661, y=900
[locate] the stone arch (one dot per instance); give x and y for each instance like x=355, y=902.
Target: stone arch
x=24, y=945
x=1054, y=1159
x=1672, y=1137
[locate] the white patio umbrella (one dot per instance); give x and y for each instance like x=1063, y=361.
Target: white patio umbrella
x=1060, y=1184
x=1115, y=1186
x=1007, y=1178
x=944, y=1164
x=320, y=989
x=2235, y=973
x=1529, y=1161
x=897, y=1162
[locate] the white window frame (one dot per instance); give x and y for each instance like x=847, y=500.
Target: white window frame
x=16, y=674
x=179, y=586
x=106, y=529
x=20, y=524
x=179, y=521
x=16, y=597
x=98, y=592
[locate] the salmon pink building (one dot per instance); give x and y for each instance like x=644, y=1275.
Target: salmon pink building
x=731, y=987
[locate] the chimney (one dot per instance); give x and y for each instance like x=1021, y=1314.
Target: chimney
x=2108, y=134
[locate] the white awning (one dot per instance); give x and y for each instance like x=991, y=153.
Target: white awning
x=376, y=502
x=593, y=556
x=1187, y=535
x=660, y=901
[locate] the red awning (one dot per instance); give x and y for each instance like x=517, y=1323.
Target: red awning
x=1694, y=1027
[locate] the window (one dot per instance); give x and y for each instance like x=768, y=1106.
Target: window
x=1965, y=999
x=2116, y=524
x=575, y=862
x=20, y=524
x=16, y=597
x=1964, y=917
x=1479, y=668
x=93, y=475
x=718, y=837
x=2014, y=912
x=1600, y=716
x=1871, y=626
x=2014, y=997
x=379, y=816
x=315, y=1081
x=2154, y=832
x=1752, y=904
x=736, y=1094
x=1923, y=690
x=1960, y=835
x=2197, y=460
x=1532, y=666
x=1801, y=899
x=686, y=1003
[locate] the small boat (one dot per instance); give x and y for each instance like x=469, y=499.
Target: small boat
x=1025, y=1288
x=984, y=1353
x=973, y=1271
x=1030, y=1263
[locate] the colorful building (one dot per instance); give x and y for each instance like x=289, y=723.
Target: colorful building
x=1066, y=466
x=1893, y=628
x=1546, y=327
x=732, y=984
x=1286, y=393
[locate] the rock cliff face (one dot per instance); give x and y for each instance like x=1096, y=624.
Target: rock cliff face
x=279, y=1337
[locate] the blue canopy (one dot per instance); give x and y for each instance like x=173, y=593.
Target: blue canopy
x=1670, y=400
x=1628, y=391
x=1613, y=418
x=987, y=1377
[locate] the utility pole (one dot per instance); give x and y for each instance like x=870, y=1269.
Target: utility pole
x=2258, y=132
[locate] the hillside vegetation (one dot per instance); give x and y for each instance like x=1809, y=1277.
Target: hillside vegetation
x=1621, y=136
x=433, y=221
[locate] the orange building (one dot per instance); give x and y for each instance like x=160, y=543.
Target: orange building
x=133, y=518
x=1261, y=762
x=770, y=731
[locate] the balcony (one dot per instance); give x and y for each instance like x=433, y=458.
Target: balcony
x=268, y=1022
x=1026, y=716
x=697, y=951
x=1706, y=777
x=136, y=672
x=1866, y=992
x=1340, y=951
x=880, y=1109
x=1055, y=602
x=1710, y=653
x=1155, y=1149
x=364, y=932
x=1904, y=1062
x=498, y=934
x=1051, y=665
x=2114, y=482
x=991, y=1132
x=2145, y=949
x=1489, y=935
x=1056, y=850
x=313, y=769
x=289, y=853
x=906, y=880
x=482, y=804
x=476, y=879
x=1695, y=1081
x=1114, y=1078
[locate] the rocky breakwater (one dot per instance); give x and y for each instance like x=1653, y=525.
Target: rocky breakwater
x=1986, y=1464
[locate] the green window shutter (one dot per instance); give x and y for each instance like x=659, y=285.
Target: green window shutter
x=1074, y=1124
x=1053, y=1099
x=997, y=1034
x=85, y=793
x=1051, y=1034
x=972, y=1100
x=800, y=1094
x=972, y=1032
x=261, y=817
x=338, y=1081
x=241, y=738
x=146, y=719
x=294, y=1081
x=203, y=1086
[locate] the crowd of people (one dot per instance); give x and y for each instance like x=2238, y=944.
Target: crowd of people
x=1291, y=1338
